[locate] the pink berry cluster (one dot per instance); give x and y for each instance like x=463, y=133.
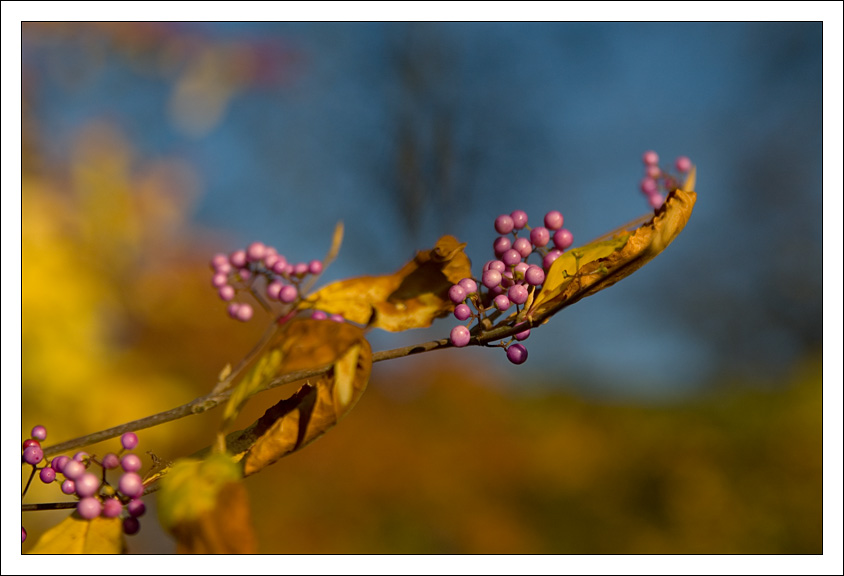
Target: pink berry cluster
x=241, y=268
x=657, y=180
x=510, y=279
x=96, y=496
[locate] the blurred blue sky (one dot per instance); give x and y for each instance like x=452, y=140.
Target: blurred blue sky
x=501, y=116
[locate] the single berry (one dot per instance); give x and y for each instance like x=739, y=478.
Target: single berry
x=653, y=171
x=554, y=220
x=244, y=312
x=462, y=312
x=563, y=239
x=650, y=157
x=33, y=455
x=238, y=258
x=89, y=508
x=87, y=484
x=111, y=461
x=58, y=463
x=226, y=293
x=517, y=294
x=81, y=456
x=318, y=315
x=504, y=224
x=269, y=260
x=69, y=487
x=655, y=200
x=549, y=258
x=511, y=257
x=501, y=245
x=47, y=475
x=255, y=251
x=457, y=294
x=219, y=280
x=337, y=318
x=491, y=278
x=315, y=267
x=39, y=433
x=273, y=289
x=502, y=302
x=516, y=353
x=131, y=463
x=523, y=247
x=244, y=274
x=648, y=186
x=540, y=236
x=300, y=269
x=129, y=440
x=520, y=219
x=131, y=525
x=460, y=336
x=522, y=335
x=30, y=442
x=23, y=534
x=131, y=484
x=233, y=308
x=280, y=265
x=520, y=269
x=683, y=164
x=112, y=507
x=496, y=265
x=218, y=261
x=469, y=285
x=534, y=275
x=136, y=507
x=288, y=294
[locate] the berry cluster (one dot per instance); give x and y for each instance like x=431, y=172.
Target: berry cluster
x=510, y=280
x=96, y=496
x=657, y=179
x=239, y=270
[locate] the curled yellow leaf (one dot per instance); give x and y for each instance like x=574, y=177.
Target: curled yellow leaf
x=411, y=298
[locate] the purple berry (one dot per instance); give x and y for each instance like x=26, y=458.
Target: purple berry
x=30, y=442
x=131, y=485
x=501, y=245
x=238, y=258
x=39, y=433
x=497, y=265
x=655, y=200
x=554, y=220
x=226, y=293
x=58, y=463
x=522, y=335
x=460, y=336
x=255, y=251
x=233, y=308
x=111, y=461
x=534, y=275
x=520, y=269
x=653, y=171
x=520, y=219
x=288, y=294
x=69, y=487
x=517, y=294
x=516, y=353
x=244, y=312
x=457, y=294
x=462, y=312
x=87, y=484
x=219, y=280
x=131, y=525
x=682, y=163
x=504, y=224
x=136, y=507
x=89, y=508
x=273, y=289
x=81, y=456
x=502, y=302
x=270, y=259
x=563, y=239
x=23, y=534
x=511, y=257
x=523, y=247
x=315, y=267
x=112, y=507
x=131, y=463
x=33, y=455
x=650, y=158
x=648, y=186
x=337, y=318
x=540, y=236
x=550, y=257
x=300, y=269
x=318, y=315
x=469, y=285
x=47, y=475
x=129, y=440
x=244, y=274
x=218, y=260
x=491, y=278
x=280, y=265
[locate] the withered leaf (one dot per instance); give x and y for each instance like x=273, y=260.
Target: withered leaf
x=316, y=407
x=75, y=535
x=411, y=298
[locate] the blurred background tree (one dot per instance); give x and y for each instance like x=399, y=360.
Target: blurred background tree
x=679, y=413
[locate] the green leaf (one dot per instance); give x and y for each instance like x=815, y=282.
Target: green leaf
x=75, y=535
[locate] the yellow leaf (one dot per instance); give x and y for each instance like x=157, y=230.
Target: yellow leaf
x=319, y=404
x=411, y=298
x=267, y=366
x=596, y=272
x=75, y=535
